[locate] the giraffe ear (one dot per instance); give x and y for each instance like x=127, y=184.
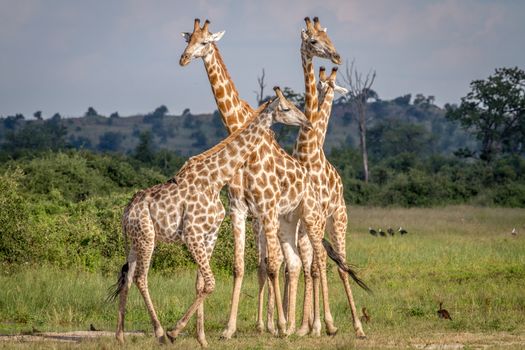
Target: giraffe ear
x=186, y=36
x=216, y=36
x=273, y=105
x=304, y=35
x=340, y=90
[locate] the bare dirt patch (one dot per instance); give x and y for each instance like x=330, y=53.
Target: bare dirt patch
x=435, y=341
x=69, y=337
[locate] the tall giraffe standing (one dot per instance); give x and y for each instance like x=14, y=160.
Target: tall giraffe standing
x=327, y=182
x=270, y=186
x=188, y=209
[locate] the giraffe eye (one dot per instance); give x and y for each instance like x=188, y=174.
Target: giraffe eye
x=313, y=41
x=286, y=109
x=203, y=43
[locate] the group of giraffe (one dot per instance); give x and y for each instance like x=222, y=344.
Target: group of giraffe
x=292, y=200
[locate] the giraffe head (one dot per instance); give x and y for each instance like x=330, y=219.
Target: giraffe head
x=284, y=111
x=315, y=42
x=199, y=42
x=326, y=82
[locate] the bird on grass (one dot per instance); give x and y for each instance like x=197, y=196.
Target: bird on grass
x=442, y=313
x=390, y=231
x=92, y=328
x=366, y=317
x=402, y=231
x=372, y=231
x=382, y=233
x=514, y=232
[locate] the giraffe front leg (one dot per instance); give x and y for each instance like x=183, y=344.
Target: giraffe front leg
x=331, y=329
x=306, y=254
x=239, y=233
x=261, y=276
x=201, y=336
x=287, y=236
x=201, y=249
x=273, y=246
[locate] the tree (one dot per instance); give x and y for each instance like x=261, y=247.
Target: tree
x=12, y=121
x=36, y=137
x=38, y=115
x=114, y=115
x=110, y=141
x=388, y=138
x=145, y=149
x=260, y=94
x=91, y=112
x=360, y=91
x=494, y=111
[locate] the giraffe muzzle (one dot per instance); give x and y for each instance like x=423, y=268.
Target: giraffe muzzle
x=336, y=58
x=184, y=59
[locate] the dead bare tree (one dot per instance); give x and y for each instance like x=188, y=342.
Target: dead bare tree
x=360, y=91
x=260, y=94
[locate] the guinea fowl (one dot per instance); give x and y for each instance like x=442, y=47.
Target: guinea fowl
x=366, y=317
x=372, y=231
x=390, y=231
x=382, y=233
x=442, y=313
x=92, y=328
x=514, y=232
x=402, y=230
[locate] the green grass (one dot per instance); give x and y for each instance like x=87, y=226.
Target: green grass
x=463, y=256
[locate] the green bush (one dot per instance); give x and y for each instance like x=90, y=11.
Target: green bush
x=14, y=217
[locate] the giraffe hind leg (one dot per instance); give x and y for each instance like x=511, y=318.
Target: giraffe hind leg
x=337, y=231
x=122, y=288
x=141, y=280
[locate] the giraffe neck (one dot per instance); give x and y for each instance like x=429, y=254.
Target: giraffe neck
x=307, y=146
x=310, y=87
x=234, y=112
x=325, y=110
x=218, y=165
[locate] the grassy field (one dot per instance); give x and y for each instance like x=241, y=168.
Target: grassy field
x=462, y=256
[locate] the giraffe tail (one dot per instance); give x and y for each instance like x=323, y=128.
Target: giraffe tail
x=115, y=289
x=341, y=263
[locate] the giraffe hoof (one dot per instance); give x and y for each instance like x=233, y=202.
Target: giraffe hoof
x=203, y=342
x=120, y=338
x=163, y=340
x=227, y=334
x=171, y=337
x=360, y=335
x=302, y=331
x=332, y=331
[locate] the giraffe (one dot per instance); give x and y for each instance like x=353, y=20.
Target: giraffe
x=187, y=209
x=326, y=181
x=246, y=189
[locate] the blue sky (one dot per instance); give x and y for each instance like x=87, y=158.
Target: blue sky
x=64, y=56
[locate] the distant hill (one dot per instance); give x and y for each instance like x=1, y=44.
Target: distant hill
x=190, y=134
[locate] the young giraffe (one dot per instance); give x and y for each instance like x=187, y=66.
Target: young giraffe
x=327, y=182
x=188, y=209
x=246, y=189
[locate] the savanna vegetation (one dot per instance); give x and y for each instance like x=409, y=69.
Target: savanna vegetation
x=460, y=255
x=458, y=173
